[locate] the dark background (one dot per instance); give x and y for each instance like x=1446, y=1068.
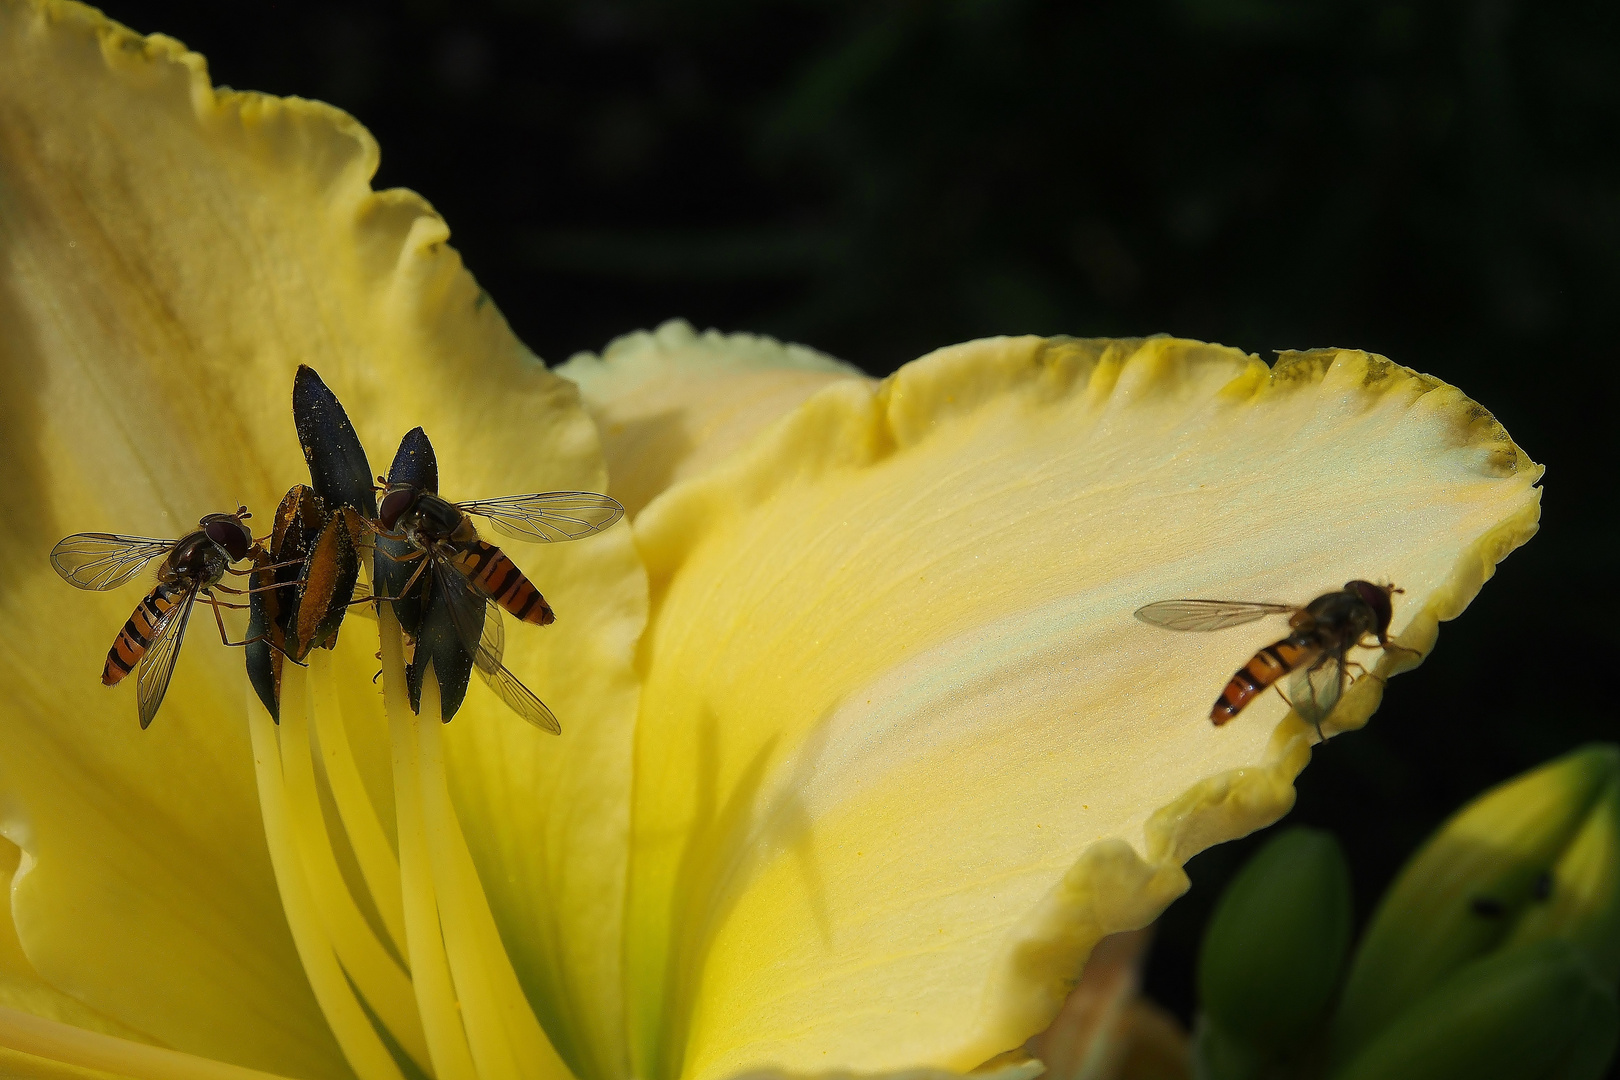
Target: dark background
x=1436, y=182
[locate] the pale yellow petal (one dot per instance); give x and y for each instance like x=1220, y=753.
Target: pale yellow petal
x=35, y=1046
x=19, y=1066
x=904, y=754
x=168, y=255
x=22, y=988
x=672, y=403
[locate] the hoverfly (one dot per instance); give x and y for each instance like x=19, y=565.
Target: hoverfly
x=313, y=555
x=1322, y=633
x=473, y=578
x=192, y=566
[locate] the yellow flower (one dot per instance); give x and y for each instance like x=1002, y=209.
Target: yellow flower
x=862, y=749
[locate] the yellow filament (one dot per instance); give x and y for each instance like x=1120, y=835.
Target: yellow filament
x=56, y=1042
x=506, y=1039
x=430, y=969
x=378, y=863
x=359, y=1041
x=377, y=976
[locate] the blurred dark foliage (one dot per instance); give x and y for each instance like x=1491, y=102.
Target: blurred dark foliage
x=1438, y=182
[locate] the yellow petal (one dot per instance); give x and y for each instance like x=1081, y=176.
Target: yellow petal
x=22, y=988
x=28, y=1067
x=672, y=403
x=904, y=754
x=35, y=1046
x=168, y=255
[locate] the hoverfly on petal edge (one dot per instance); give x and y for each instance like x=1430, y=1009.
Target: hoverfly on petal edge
x=472, y=579
x=192, y=566
x=1316, y=650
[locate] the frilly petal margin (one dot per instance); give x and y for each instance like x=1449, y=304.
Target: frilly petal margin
x=169, y=254
x=903, y=753
x=671, y=403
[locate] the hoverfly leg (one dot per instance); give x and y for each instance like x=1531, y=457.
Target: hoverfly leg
x=423, y=565
x=417, y=554
x=256, y=569
x=1317, y=723
x=254, y=589
x=225, y=638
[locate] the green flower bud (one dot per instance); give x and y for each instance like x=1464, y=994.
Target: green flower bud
x=1493, y=865
x=1273, y=951
x=1581, y=895
x=1536, y=1012
x=1220, y=1056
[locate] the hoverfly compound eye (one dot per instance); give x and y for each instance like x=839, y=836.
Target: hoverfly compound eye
x=394, y=504
x=229, y=533
x=1376, y=597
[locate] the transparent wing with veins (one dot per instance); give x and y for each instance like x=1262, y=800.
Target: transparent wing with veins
x=1204, y=615
x=549, y=516
x=157, y=666
x=1316, y=689
x=102, y=561
x=477, y=620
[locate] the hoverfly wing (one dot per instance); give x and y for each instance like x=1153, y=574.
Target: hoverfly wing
x=1201, y=615
x=547, y=517
x=1315, y=690
x=520, y=699
x=479, y=629
x=477, y=619
x=157, y=666
x=102, y=561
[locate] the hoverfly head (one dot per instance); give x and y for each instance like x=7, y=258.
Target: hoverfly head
x=399, y=499
x=1376, y=597
x=228, y=532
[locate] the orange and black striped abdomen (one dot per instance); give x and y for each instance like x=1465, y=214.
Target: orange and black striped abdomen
x=137, y=633
x=1267, y=666
x=499, y=577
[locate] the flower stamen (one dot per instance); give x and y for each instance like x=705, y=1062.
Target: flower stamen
x=505, y=1037
x=378, y=977
x=359, y=1041
x=430, y=969
x=378, y=863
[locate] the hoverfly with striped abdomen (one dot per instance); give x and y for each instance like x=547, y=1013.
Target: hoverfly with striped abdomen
x=1322, y=633
x=193, y=566
x=473, y=578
